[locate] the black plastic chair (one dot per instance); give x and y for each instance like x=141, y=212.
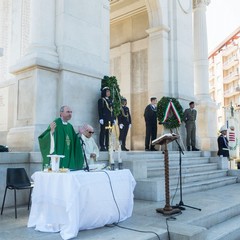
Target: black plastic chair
x=17, y=179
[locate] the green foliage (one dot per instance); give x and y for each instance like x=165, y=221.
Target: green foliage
x=172, y=121
x=112, y=83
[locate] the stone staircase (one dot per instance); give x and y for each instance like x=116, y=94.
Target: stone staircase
x=200, y=172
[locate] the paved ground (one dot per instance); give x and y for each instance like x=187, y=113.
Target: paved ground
x=144, y=218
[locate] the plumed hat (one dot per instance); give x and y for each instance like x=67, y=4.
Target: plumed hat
x=223, y=128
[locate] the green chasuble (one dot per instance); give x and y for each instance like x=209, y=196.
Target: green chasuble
x=66, y=143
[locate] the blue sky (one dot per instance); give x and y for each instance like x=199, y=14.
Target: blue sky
x=223, y=17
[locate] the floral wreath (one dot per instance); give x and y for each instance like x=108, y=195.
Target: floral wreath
x=169, y=112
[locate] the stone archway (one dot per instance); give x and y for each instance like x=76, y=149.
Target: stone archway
x=139, y=57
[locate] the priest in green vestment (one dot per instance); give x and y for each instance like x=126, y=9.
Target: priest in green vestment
x=61, y=139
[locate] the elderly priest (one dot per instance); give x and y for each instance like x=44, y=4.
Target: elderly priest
x=61, y=139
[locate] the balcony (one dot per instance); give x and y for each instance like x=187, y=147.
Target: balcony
x=230, y=63
x=231, y=77
x=232, y=92
x=211, y=89
x=211, y=76
x=229, y=50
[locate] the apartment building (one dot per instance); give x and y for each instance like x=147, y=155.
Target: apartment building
x=224, y=79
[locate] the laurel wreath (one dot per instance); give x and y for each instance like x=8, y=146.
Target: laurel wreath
x=171, y=122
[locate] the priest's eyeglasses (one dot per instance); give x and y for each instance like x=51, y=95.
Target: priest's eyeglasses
x=90, y=132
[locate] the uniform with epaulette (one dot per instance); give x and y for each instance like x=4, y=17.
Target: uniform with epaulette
x=106, y=115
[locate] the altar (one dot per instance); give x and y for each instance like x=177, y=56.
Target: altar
x=78, y=200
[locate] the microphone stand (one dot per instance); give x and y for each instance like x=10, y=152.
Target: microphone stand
x=84, y=154
x=180, y=204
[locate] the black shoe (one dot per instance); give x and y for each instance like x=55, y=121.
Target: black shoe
x=153, y=149
x=103, y=149
x=188, y=148
x=195, y=149
x=124, y=149
x=147, y=149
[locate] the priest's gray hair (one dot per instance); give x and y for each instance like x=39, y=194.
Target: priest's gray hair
x=62, y=108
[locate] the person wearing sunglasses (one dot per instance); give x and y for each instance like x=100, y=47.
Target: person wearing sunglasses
x=89, y=145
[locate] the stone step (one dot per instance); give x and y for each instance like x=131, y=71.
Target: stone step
x=193, y=177
x=154, y=190
x=159, y=162
x=222, y=224
x=158, y=154
x=227, y=230
x=191, y=187
x=154, y=172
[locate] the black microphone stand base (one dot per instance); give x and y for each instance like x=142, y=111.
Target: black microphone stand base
x=182, y=206
x=168, y=212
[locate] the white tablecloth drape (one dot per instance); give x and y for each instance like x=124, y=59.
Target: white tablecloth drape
x=73, y=201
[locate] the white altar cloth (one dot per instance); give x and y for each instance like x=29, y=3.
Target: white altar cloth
x=78, y=200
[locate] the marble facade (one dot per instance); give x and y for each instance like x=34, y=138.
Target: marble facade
x=56, y=52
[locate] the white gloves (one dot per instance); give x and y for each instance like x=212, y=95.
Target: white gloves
x=114, y=122
x=130, y=125
x=121, y=126
x=101, y=121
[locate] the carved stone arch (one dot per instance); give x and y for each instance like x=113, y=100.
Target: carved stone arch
x=156, y=16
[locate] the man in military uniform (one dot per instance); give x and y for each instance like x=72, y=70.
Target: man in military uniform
x=124, y=123
x=190, y=116
x=150, y=115
x=106, y=115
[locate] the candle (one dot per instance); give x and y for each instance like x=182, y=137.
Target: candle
x=119, y=154
x=111, y=159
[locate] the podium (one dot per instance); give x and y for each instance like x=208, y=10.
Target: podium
x=164, y=140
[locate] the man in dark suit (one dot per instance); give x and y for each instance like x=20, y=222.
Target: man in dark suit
x=124, y=123
x=190, y=116
x=106, y=115
x=150, y=115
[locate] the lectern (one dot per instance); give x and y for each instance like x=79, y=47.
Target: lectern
x=164, y=140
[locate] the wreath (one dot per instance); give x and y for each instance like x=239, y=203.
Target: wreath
x=169, y=112
x=112, y=83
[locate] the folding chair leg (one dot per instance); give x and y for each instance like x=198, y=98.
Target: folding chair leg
x=4, y=200
x=29, y=200
x=15, y=200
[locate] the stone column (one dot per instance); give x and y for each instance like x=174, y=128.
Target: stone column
x=207, y=117
x=158, y=69
x=42, y=49
x=200, y=50
x=36, y=78
x=67, y=56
